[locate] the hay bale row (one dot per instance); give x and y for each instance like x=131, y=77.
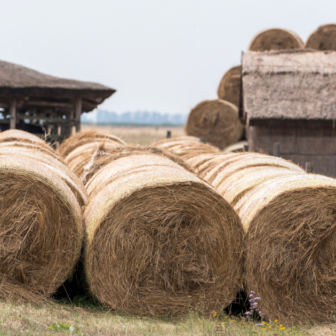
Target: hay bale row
x=289, y=223
x=40, y=218
x=159, y=241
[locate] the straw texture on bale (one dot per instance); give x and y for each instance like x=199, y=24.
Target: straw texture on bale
x=82, y=156
x=217, y=121
x=251, y=160
x=186, y=149
x=230, y=86
x=40, y=229
x=290, y=225
x=103, y=158
x=159, y=240
x=49, y=160
x=23, y=137
x=323, y=38
x=82, y=138
x=275, y=39
x=234, y=187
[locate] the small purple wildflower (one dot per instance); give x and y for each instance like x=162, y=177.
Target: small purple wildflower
x=254, y=307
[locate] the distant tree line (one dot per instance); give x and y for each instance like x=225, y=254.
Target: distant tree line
x=134, y=118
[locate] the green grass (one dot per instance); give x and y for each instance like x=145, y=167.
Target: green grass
x=85, y=317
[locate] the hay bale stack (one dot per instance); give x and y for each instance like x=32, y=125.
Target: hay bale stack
x=159, y=240
x=82, y=138
x=290, y=225
x=217, y=121
x=323, y=38
x=230, y=86
x=275, y=39
x=40, y=229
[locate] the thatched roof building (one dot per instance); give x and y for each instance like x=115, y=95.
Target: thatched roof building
x=26, y=94
x=289, y=98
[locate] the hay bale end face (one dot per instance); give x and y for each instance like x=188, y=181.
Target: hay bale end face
x=40, y=229
x=323, y=38
x=230, y=86
x=290, y=225
x=159, y=240
x=275, y=39
x=217, y=121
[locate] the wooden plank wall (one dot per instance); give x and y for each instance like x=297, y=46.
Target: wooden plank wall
x=298, y=144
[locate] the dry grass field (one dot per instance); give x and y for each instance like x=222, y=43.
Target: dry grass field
x=53, y=318
x=138, y=135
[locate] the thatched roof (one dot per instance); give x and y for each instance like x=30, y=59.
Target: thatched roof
x=16, y=80
x=289, y=84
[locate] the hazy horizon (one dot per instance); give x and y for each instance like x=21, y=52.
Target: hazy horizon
x=160, y=56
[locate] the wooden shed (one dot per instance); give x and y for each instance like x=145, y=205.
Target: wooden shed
x=289, y=98
x=39, y=103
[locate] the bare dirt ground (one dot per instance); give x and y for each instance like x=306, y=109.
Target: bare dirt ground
x=138, y=135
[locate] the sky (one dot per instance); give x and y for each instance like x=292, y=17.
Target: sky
x=160, y=55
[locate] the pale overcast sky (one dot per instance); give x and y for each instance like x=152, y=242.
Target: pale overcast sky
x=163, y=55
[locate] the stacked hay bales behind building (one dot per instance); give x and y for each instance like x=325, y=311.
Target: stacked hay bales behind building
x=275, y=39
x=217, y=121
x=40, y=218
x=159, y=241
x=323, y=38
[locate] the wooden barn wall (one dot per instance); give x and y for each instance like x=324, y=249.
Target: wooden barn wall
x=300, y=145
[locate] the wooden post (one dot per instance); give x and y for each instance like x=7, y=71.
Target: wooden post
x=246, y=148
x=203, y=140
x=309, y=167
x=276, y=149
x=12, y=122
x=78, y=114
x=168, y=134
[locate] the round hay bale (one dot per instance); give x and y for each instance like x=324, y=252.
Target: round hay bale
x=275, y=39
x=14, y=135
x=199, y=161
x=187, y=149
x=323, y=38
x=159, y=240
x=52, y=163
x=290, y=225
x=216, y=162
x=101, y=159
x=217, y=121
x=40, y=229
x=239, y=183
x=253, y=160
x=80, y=157
x=34, y=147
x=229, y=86
x=82, y=138
x=227, y=159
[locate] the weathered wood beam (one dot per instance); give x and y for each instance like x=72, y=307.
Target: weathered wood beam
x=12, y=123
x=78, y=110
